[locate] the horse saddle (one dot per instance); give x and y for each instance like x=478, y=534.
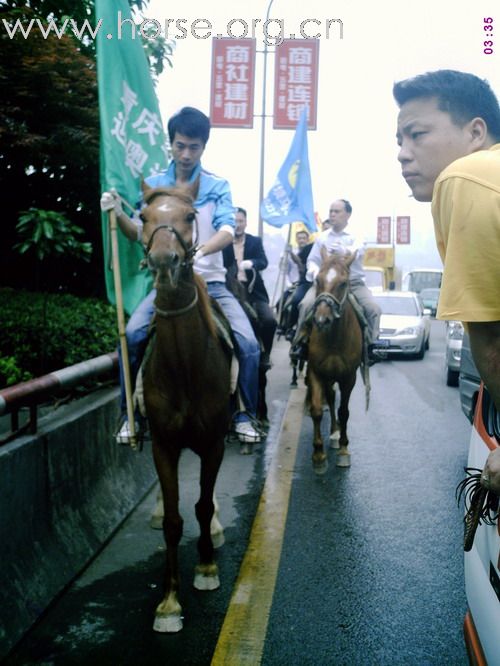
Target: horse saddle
x=225, y=335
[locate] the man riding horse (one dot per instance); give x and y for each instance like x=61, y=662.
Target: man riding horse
x=336, y=240
x=188, y=131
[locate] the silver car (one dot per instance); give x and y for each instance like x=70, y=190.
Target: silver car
x=454, y=338
x=403, y=323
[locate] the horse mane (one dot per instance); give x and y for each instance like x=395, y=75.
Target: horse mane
x=175, y=191
x=204, y=302
x=335, y=260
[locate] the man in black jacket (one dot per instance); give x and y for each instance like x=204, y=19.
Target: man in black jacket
x=298, y=260
x=244, y=259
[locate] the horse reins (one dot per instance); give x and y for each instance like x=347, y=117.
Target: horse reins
x=331, y=300
x=189, y=252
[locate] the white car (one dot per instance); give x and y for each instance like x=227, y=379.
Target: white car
x=403, y=323
x=482, y=565
x=453, y=354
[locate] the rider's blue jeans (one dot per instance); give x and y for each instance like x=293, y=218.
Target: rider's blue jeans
x=248, y=350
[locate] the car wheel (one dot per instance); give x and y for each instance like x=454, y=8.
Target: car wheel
x=428, y=342
x=451, y=377
x=420, y=354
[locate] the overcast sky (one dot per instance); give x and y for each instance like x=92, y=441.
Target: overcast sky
x=353, y=151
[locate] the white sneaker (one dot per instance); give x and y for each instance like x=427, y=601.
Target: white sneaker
x=246, y=432
x=123, y=436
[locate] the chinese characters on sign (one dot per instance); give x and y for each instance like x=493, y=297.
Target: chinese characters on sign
x=147, y=125
x=295, y=82
x=383, y=230
x=233, y=72
x=403, y=230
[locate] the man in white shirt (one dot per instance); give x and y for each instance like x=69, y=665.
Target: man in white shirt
x=337, y=240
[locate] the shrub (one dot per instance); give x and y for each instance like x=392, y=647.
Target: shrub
x=76, y=329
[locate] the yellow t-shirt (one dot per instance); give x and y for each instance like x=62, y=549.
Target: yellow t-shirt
x=466, y=212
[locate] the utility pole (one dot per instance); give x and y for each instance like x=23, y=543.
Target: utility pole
x=263, y=128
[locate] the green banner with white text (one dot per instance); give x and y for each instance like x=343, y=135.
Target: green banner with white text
x=132, y=138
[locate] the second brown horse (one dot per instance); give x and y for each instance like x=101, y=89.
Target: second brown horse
x=335, y=353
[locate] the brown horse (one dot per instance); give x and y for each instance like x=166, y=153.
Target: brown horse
x=186, y=383
x=335, y=353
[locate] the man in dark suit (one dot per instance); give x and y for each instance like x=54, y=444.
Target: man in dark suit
x=244, y=259
x=298, y=260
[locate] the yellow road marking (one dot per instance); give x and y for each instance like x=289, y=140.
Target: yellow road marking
x=241, y=640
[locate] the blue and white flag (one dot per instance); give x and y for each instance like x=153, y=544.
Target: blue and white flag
x=290, y=198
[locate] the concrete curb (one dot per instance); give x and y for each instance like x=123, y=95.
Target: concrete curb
x=65, y=491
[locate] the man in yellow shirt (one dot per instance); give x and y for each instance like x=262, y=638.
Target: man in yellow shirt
x=449, y=135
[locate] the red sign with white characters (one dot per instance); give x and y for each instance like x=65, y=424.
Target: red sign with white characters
x=233, y=75
x=295, y=82
x=403, y=230
x=383, y=230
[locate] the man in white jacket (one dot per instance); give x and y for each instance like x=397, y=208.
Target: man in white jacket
x=337, y=240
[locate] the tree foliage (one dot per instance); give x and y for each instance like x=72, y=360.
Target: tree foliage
x=49, y=135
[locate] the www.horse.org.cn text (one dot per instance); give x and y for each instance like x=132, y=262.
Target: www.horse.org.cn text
x=272, y=32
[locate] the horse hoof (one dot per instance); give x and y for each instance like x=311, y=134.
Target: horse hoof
x=321, y=467
x=156, y=522
x=343, y=460
x=168, y=624
x=206, y=577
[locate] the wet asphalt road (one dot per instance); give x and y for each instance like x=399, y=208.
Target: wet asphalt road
x=371, y=567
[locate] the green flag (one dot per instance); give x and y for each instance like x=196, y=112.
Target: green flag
x=132, y=137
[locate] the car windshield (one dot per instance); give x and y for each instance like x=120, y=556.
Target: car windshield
x=398, y=305
x=429, y=293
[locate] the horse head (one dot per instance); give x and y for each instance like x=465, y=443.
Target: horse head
x=170, y=230
x=332, y=287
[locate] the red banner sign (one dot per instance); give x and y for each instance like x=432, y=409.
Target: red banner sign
x=403, y=230
x=295, y=82
x=233, y=74
x=383, y=230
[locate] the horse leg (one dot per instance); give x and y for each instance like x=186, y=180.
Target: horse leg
x=315, y=400
x=216, y=529
x=343, y=455
x=334, y=426
x=294, y=374
x=168, y=615
x=206, y=572
x=156, y=521
x=262, y=405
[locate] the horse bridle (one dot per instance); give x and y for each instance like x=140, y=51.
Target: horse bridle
x=189, y=252
x=336, y=305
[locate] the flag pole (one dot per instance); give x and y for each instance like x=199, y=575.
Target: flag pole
x=121, y=327
x=283, y=269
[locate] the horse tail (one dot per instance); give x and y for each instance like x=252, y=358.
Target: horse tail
x=204, y=303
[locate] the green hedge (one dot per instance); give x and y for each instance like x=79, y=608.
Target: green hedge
x=75, y=330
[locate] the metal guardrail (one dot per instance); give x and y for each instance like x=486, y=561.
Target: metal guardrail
x=35, y=391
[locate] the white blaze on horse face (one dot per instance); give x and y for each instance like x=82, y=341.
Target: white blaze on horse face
x=331, y=275
x=164, y=207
